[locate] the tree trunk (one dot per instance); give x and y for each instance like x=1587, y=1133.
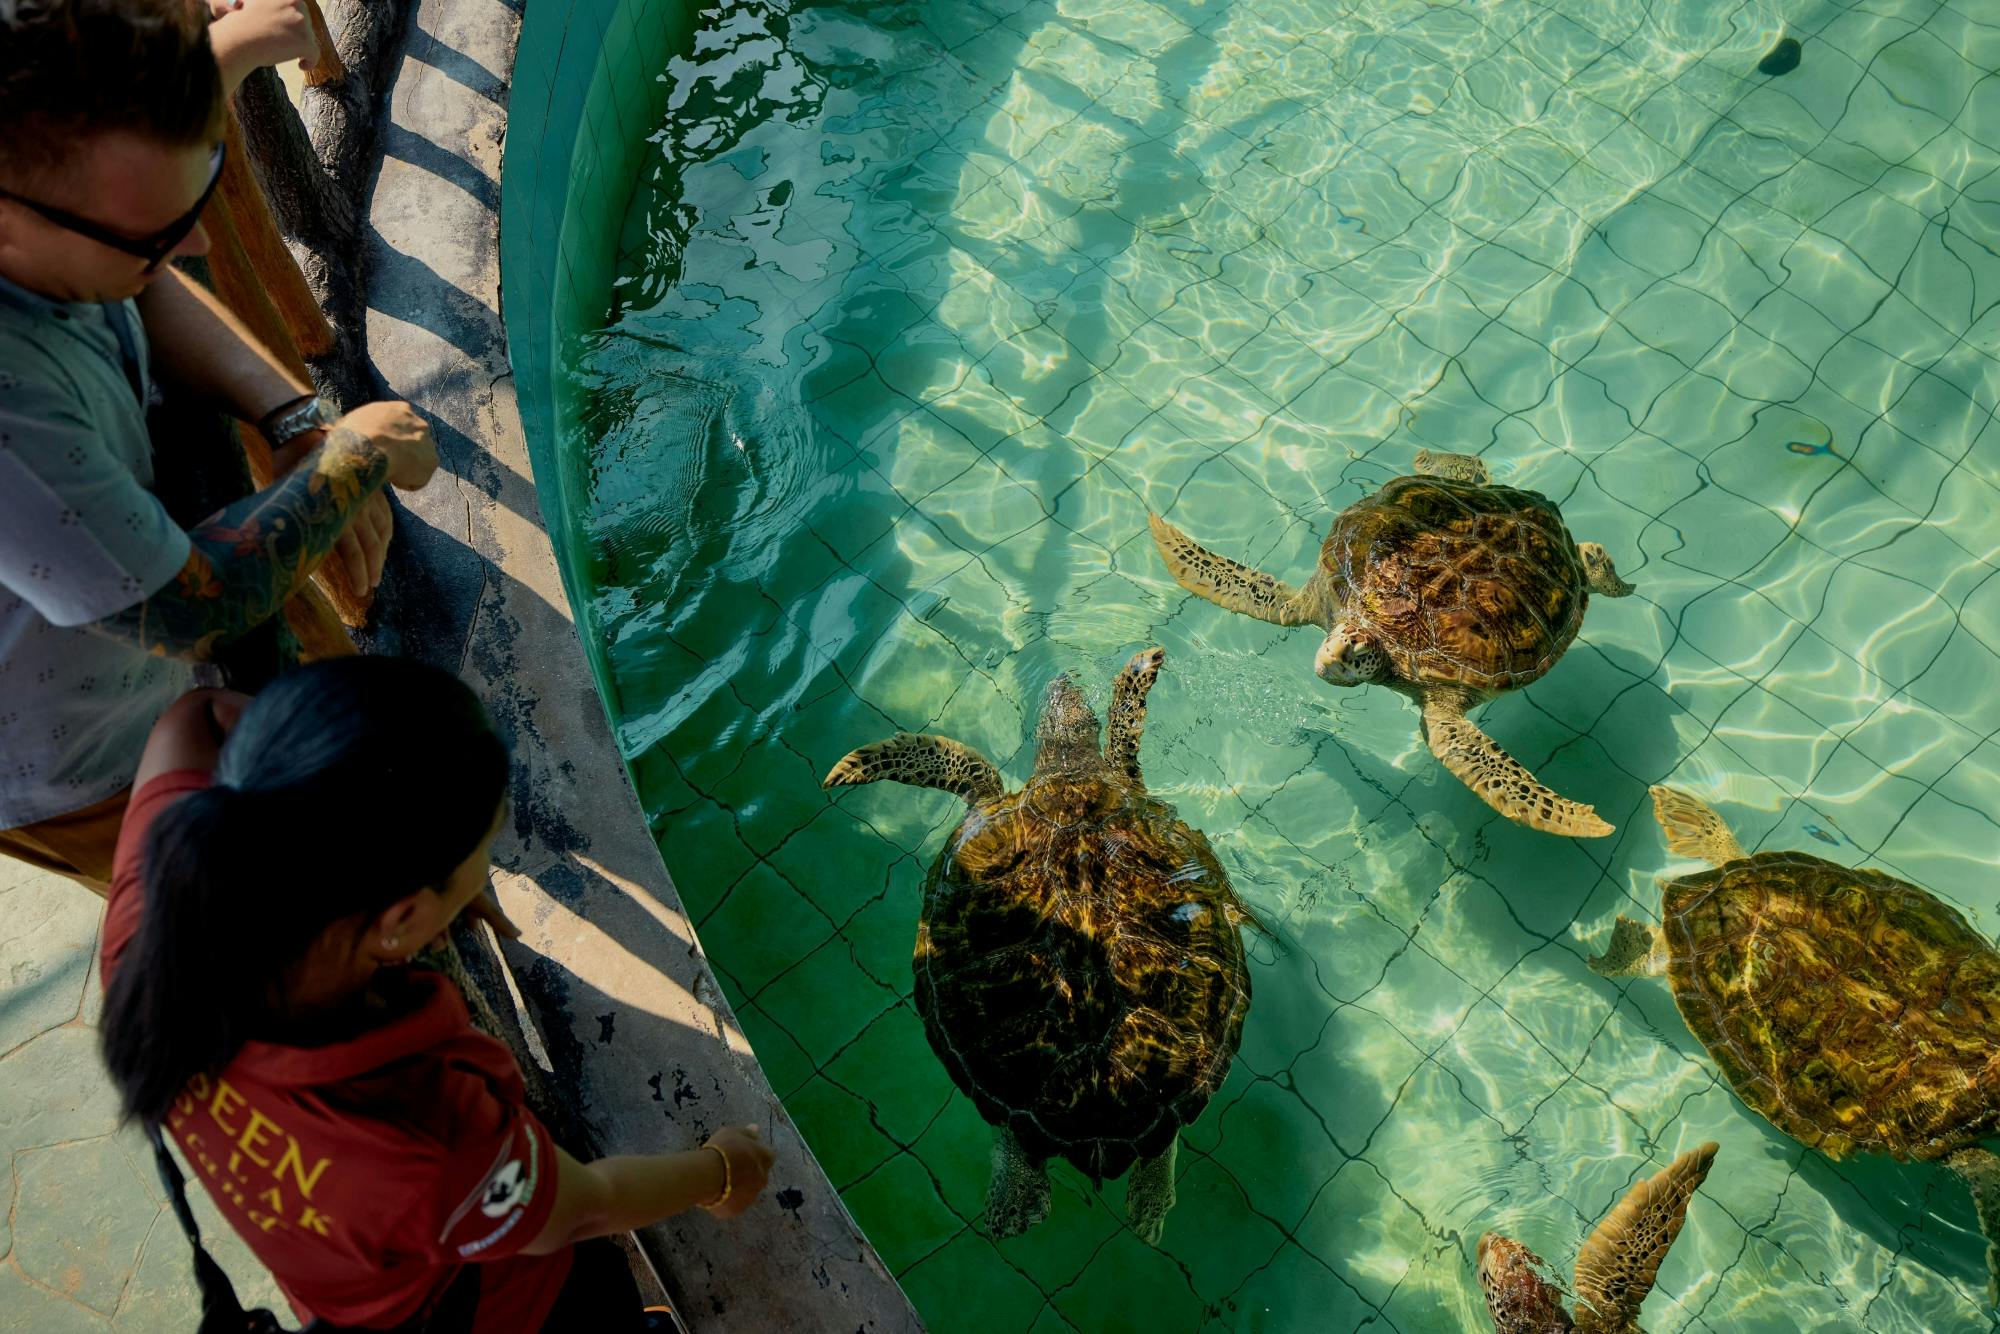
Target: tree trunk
x=320, y=221
x=314, y=169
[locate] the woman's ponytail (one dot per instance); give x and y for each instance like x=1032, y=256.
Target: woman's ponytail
x=177, y=1002
x=241, y=878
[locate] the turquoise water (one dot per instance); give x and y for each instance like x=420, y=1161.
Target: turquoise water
x=922, y=307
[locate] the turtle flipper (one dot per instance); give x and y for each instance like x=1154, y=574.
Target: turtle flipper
x=1128, y=711
x=1018, y=1197
x=1226, y=582
x=1692, y=829
x=1636, y=950
x=1149, y=1193
x=1500, y=780
x=1600, y=576
x=1981, y=1170
x=1452, y=467
x=921, y=761
x=1616, y=1267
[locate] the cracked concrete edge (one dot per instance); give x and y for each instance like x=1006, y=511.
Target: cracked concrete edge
x=636, y=1028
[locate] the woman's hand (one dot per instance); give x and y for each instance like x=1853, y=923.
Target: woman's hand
x=250, y=34
x=619, y=1194
x=749, y=1168
x=486, y=908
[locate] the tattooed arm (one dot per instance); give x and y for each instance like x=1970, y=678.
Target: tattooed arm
x=246, y=560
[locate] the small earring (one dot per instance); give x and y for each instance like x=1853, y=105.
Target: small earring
x=391, y=942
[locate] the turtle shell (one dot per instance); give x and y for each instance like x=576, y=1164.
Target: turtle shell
x=1079, y=970
x=1853, y=1010
x=1460, y=583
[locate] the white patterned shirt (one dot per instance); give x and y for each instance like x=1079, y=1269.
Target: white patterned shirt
x=81, y=538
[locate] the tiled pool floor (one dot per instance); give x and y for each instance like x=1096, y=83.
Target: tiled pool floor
x=924, y=306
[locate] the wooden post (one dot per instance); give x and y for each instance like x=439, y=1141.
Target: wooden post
x=260, y=280
x=256, y=277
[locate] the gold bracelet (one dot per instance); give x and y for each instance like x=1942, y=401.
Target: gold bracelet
x=728, y=1180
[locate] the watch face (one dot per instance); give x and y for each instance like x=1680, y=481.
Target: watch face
x=320, y=413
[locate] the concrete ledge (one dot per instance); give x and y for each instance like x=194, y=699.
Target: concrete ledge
x=635, y=1025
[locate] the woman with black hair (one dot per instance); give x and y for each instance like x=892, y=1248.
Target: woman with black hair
x=370, y=1145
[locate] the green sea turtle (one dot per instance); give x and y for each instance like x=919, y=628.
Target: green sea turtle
x=1446, y=588
x=1078, y=965
x=1614, y=1270
x=1855, y=1011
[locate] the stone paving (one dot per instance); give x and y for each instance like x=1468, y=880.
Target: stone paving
x=87, y=1242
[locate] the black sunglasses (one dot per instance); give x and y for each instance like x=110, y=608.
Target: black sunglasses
x=153, y=249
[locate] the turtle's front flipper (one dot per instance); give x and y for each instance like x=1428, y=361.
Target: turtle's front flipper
x=1692, y=829
x=1600, y=576
x=1018, y=1197
x=1636, y=950
x=1225, y=582
x=1149, y=1193
x=921, y=761
x=1128, y=711
x=1616, y=1267
x=1981, y=1170
x=1500, y=780
x=1452, y=467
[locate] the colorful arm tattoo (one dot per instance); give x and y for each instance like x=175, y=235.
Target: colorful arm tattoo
x=247, y=559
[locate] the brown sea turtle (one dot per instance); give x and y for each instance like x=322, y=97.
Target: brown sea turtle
x=1614, y=1270
x=1078, y=965
x=1446, y=588
x=1855, y=1011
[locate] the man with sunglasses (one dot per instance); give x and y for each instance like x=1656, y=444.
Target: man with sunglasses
x=110, y=144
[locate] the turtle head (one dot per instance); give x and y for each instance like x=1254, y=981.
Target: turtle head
x=1599, y=574
x=1350, y=658
x=1066, y=737
x=1519, y=1296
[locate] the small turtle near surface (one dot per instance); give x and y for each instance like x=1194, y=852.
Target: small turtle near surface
x=1079, y=967
x=1854, y=1011
x=1445, y=588
x=1614, y=1270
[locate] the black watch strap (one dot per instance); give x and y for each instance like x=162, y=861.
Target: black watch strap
x=270, y=420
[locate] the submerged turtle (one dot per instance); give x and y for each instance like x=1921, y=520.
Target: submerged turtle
x=1078, y=965
x=1446, y=588
x=1854, y=1011
x=1614, y=1270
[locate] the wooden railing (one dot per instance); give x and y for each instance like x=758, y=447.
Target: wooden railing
x=254, y=260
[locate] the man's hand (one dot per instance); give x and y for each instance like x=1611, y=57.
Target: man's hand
x=364, y=547
x=250, y=34
x=397, y=430
x=402, y=436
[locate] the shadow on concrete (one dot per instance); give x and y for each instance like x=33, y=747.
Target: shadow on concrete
x=404, y=287
x=442, y=163
x=455, y=65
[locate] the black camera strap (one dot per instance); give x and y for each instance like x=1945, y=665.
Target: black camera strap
x=221, y=1311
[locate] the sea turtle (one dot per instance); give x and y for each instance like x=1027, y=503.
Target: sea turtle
x=1855, y=1011
x=1446, y=588
x=1078, y=965
x=1614, y=1270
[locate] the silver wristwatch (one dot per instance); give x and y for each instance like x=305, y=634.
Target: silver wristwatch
x=289, y=421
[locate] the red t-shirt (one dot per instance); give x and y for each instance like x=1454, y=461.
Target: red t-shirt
x=366, y=1173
